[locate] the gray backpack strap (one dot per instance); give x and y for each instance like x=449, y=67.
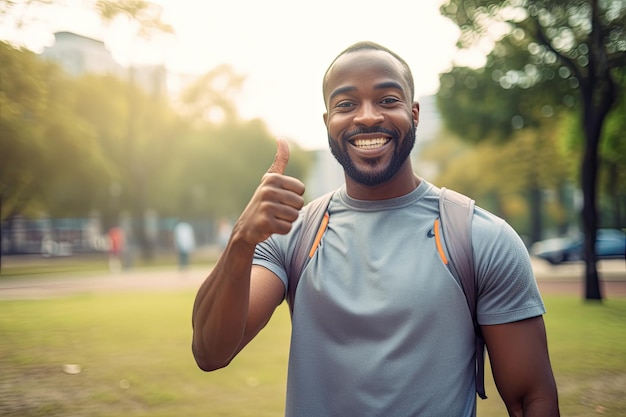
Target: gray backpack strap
x=313, y=214
x=456, y=212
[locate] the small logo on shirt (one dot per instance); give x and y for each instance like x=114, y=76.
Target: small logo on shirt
x=430, y=233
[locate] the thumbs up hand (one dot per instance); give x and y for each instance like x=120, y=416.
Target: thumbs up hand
x=281, y=159
x=275, y=204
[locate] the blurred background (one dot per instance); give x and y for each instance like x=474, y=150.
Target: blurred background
x=135, y=115
x=133, y=133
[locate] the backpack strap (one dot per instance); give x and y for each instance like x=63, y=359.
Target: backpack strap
x=456, y=212
x=314, y=222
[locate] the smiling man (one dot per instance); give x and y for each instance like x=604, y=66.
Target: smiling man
x=371, y=123
x=380, y=327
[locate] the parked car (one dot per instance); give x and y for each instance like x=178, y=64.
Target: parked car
x=610, y=244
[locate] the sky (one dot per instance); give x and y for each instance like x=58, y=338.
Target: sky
x=283, y=47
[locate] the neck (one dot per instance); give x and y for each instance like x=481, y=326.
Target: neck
x=401, y=184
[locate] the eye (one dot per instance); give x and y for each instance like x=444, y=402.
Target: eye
x=344, y=104
x=389, y=100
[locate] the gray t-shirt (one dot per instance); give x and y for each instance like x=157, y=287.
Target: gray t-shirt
x=380, y=326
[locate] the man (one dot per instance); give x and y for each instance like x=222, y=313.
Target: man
x=117, y=243
x=380, y=327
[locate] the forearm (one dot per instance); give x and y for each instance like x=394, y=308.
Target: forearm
x=542, y=406
x=225, y=317
x=521, y=367
x=221, y=307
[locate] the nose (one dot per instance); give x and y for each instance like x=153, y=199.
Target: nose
x=368, y=114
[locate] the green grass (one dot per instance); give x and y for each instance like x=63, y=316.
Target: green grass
x=33, y=266
x=134, y=351
x=587, y=343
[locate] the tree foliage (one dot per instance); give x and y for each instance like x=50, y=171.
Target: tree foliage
x=501, y=176
x=556, y=45
x=73, y=145
x=226, y=157
x=41, y=137
x=145, y=14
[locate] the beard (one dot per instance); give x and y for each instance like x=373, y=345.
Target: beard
x=371, y=178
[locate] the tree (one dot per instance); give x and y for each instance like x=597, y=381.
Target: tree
x=612, y=157
x=504, y=177
x=475, y=107
x=39, y=131
x=23, y=101
x=145, y=13
x=72, y=172
x=44, y=145
x=223, y=156
x=580, y=40
x=103, y=102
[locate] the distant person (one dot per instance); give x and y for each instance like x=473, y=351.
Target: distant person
x=380, y=325
x=185, y=243
x=117, y=243
x=48, y=246
x=223, y=233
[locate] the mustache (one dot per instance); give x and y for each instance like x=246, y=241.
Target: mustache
x=364, y=130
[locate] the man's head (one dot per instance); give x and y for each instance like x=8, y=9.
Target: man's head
x=371, y=117
x=372, y=46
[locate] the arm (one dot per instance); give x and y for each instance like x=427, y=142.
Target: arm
x=237, y=300
x=521, y=368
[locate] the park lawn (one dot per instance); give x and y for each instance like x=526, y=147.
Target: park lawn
x=587, y=343
x=135, y=359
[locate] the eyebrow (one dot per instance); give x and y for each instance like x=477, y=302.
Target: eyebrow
x=341, y=90
x=380, y=86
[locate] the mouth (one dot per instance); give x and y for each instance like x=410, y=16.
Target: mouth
x=369, y=144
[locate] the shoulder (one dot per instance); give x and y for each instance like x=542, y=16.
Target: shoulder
x=496, y=244
x=507, y=289
x=485, y=222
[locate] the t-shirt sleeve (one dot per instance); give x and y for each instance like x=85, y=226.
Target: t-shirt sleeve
x=507, y=290
x=276, y=251
x=268, y=255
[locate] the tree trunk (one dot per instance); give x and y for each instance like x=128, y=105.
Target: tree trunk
x=598, y=96
x=589, y=214
x=597, y=104
x=613, y=191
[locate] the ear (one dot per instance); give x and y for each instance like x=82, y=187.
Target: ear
x=325, y=116
x=415, y=110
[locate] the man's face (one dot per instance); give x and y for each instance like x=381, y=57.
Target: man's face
x=371, y=118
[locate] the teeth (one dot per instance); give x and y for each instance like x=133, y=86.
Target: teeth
x=370, y=143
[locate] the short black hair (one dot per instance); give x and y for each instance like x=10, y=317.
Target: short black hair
x=373, y=46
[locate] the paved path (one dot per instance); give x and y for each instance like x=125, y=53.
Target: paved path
x=568, y=278
x=565, y=279
x=133, y=280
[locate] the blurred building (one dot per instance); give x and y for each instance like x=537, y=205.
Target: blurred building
x=428, y=131
x=79, y=55
x=326, y=174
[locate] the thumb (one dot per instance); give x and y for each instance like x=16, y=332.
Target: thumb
x=282, y=157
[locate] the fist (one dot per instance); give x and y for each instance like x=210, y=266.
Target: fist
x=276, y=202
